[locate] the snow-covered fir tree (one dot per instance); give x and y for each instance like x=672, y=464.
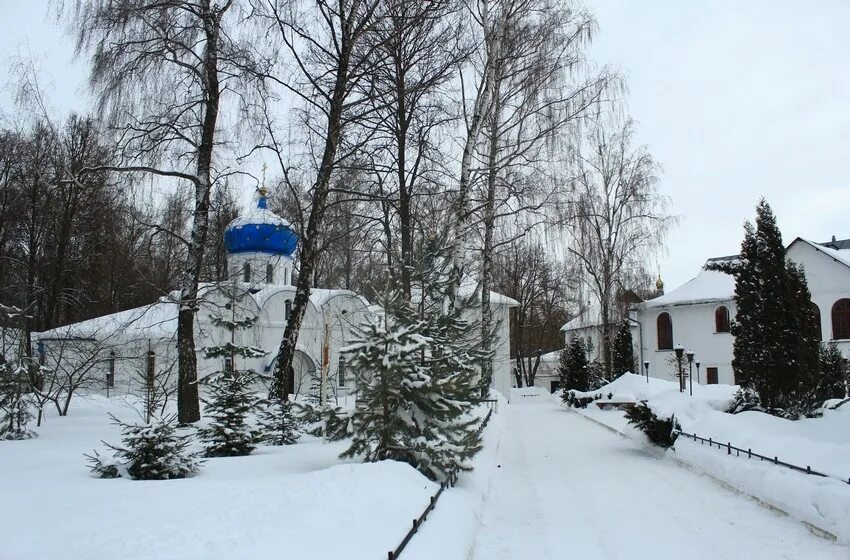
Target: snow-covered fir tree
x=232, y=400
x=775, y=329
x=576, y=376
x=150, y=451
x=418, y=373
x=15, y=413
x=278, y=423
x=834, y=371
x=624, y=353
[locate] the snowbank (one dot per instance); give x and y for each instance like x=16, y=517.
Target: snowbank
x=821, y=443
x=283, y=500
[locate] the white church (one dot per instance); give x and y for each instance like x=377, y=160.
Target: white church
x=119, y=352
x=697, y=315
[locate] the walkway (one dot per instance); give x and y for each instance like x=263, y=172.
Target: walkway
x=569, y=489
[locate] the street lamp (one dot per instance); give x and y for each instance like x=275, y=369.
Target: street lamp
x=680, y=351
x=646, y=369
x=690, y=355
x=697, y=364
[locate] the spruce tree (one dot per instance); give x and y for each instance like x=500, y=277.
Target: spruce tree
x=832, y=381
x=578, y=369
x=624, y=354
x=563, y=371
x=278, y=423
x=775, y=345
x=231, y=399
x=150, y=451
x=15, y=414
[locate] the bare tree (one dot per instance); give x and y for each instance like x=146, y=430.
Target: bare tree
x=160, y=68
x=332, y=45
x=617, y=219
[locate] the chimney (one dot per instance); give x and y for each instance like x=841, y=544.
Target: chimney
x=833, y=239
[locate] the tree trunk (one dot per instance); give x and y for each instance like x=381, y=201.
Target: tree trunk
x=309, y=249
x=188, y=407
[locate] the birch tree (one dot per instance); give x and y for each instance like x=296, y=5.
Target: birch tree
x=160, y=69
x=617, y=218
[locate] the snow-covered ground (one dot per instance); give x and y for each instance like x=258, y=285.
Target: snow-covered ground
x=566, y=487
x=821, y=443
x=297, y=501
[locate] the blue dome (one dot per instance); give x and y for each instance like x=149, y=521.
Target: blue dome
x=260, y=231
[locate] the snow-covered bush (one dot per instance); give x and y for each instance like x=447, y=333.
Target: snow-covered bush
x=228, y=433
x=153, y=451
x=278, y=421
x=329, y=422
x=745, y=399
x=659, y=431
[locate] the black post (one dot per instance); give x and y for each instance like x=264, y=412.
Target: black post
x=680, y=350
x=646, y=369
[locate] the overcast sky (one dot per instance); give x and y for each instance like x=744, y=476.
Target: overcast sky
x=735, y=99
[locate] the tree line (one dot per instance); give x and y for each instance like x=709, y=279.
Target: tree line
x=392, y=127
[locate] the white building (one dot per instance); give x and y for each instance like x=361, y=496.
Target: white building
x=697, y=314
x=122, y=349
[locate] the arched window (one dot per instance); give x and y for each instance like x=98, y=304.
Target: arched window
x=341, y=371
x=270, y=273
x=816, y=313
x=841, y=319
x=721, y=319
x=287, y=310
x=246, y=272
x=665, y=332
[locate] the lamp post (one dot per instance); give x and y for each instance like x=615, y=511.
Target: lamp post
x=690, y=355
x=110, y=376
x=646, y=369
x=697, y=364
x=680, y=351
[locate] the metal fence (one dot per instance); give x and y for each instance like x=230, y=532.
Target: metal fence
x=451, y=480
x=750, y=455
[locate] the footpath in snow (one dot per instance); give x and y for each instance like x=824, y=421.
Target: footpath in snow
x=568, y=488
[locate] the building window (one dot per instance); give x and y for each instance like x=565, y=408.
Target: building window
x=287, y=309
x=816, y=315
x=665, y=332
x=110, y=375
x=246, y=272
x=269, y=274
x=150, y=368
x=721, y=319
x=341, y=372
x=228, y=364
x=841, y=319
x=711, y=375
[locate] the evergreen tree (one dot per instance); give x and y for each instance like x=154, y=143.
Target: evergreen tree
x=278, y=422
x=832, y=381
x=578, y=369
x=228, y=433
x=15, y=412
x=624, y=354
x=417, y=379
x=774, y=349
x=151, y=451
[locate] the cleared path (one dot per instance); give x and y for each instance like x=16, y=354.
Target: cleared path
x=567, y=488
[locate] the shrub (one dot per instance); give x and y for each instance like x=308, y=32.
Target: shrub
x=745, y=399
x=660, y=431
x=153, y=451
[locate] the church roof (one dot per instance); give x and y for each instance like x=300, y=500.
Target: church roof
x=154, y=321
x=260, y=231
x=708, y=286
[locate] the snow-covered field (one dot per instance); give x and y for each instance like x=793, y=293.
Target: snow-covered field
x=821, y=443
x=297, y=501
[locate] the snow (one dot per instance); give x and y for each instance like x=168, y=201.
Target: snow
x=153, y=321
x=821, y=443
x=709, y=286
x=279, y=500
x=565, y=487
x=840, y=255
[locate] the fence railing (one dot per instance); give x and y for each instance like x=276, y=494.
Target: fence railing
x=450, y=480
x=750, y=454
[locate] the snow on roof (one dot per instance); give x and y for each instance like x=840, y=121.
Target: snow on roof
x=470, y=287
x=587, y=318
x=708, y=286
x=840, y=255
x=153, y=321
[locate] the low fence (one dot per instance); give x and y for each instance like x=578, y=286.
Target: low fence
x=750, y=454
x=451, y=480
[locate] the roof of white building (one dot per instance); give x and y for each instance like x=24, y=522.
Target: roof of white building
x=707, y=287
x=153, y=321
x=839, y=255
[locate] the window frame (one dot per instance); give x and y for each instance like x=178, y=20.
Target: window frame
x=841, y=319
x=658, y=336
x=726, y=326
